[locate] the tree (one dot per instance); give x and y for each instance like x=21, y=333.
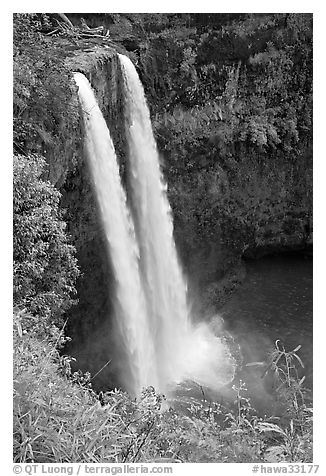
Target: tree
x=45, y=268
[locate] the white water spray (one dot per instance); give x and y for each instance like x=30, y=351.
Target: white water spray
x=182, y=351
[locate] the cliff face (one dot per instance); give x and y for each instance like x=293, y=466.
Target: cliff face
x=268, y=206
x=255, y=208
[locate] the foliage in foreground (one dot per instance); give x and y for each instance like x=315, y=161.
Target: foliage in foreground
x=58, y=418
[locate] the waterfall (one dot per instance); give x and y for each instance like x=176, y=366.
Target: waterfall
x=183, y=351
x=132, y=323
x=153, y=325
x=164, y=284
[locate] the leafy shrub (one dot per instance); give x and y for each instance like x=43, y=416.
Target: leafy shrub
x=45, y=268
x=290, y=439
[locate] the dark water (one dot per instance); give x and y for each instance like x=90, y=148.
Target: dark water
x=274, y=302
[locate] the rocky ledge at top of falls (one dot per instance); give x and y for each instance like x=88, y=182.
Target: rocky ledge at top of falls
x=97, y=60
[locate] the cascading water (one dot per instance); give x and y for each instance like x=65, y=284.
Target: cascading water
x=183, y=351
x=153, y=324
x=130, y=304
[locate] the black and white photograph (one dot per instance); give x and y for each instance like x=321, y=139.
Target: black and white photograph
x=162, y=242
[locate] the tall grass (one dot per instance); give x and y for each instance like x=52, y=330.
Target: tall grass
x=59, y=418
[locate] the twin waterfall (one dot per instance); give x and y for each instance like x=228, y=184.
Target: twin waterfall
x=152, y=319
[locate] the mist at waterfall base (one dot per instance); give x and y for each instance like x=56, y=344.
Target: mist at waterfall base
x=158, y=344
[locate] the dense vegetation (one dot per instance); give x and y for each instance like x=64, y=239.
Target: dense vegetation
x=45, y=268
x=45, y=106
x=58, y=418
x=231, y=101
